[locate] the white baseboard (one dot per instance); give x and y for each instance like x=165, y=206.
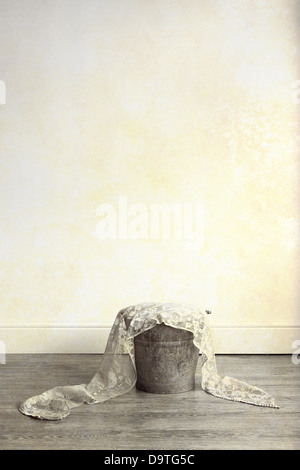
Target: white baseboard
x=35, y=338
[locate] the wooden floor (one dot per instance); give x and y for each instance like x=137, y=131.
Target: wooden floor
x=138, y=420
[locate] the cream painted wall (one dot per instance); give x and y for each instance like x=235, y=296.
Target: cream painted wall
x=193, y=102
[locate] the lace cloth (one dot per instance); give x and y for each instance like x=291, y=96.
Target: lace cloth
x=117, y=373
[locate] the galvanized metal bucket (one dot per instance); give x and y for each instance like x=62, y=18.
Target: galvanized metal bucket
x=166, y=360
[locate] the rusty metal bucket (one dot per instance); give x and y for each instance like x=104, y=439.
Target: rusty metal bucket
x=166, y=360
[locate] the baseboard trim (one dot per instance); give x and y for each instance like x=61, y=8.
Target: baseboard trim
x=74, y=338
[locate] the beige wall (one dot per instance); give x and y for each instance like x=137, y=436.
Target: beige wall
x=193, y=102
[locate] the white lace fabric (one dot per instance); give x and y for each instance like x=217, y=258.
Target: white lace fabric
x=117, y=373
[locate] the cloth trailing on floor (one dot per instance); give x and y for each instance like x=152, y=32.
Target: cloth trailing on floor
x=117, y=373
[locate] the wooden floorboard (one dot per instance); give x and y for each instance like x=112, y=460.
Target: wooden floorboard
x=138, y=420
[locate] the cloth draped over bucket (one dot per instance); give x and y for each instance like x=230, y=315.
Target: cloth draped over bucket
x=117, y=372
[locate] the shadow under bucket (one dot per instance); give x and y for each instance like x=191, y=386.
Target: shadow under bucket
x=166, y=360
